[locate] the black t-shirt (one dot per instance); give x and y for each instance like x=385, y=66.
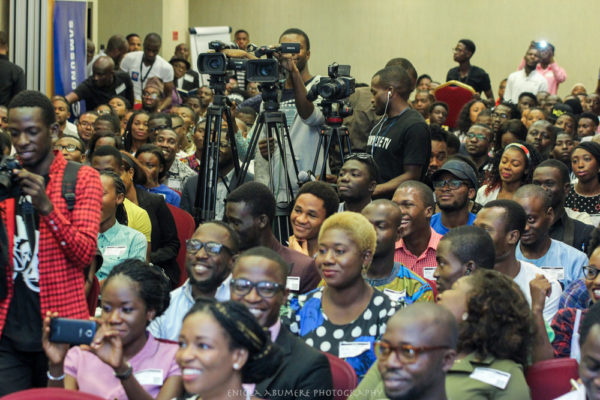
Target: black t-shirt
x=477, y=78
x=95, y=96
x=23, y=321
x=581, y=232
x=403, y=140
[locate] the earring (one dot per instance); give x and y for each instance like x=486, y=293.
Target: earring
x=465, y=316
x=236, y=366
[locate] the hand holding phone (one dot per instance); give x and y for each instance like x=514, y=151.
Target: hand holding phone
x=72, y=331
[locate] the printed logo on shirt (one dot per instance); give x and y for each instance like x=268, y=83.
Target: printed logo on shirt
x=379, y=141
x=25, y=258
x=135, y=75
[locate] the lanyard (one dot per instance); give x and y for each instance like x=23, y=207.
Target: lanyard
x=142, y=77
x=387, y=128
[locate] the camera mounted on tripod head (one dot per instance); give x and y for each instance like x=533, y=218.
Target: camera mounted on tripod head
x=218, y=65
x=334, y=90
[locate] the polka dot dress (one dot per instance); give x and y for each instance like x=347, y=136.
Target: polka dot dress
x=587, y=204
x=306, y=319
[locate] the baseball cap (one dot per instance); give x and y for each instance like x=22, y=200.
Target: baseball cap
x=459, y=169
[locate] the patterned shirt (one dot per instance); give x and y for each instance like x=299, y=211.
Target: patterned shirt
x=575, y=295
x=177, y=174
x=352, y=342
x=191, y=161
x=587, y=204
x=562, y=325
x=403, y=284
x=423, y=265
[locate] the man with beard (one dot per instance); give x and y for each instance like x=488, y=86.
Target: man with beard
x=250, y=210
x=526, y=80
x=392, y=278
x=455, y=185
x=478, y=144
x=356, y=182
x=404, y=374
x=400, y=144
x=152, y=95
x=208, y=263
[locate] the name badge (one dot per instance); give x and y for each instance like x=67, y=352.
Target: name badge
x=352, y=349
x=394, y=295
x=491, y=376
x=120, y=88
x=114, y=251
x=293, y=283
x=428, y=273
x=150, y=377
x=557, y=273
x=188, y=78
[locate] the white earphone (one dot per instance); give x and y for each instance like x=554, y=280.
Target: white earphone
x=389, y=93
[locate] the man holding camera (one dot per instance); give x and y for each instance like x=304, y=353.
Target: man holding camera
x=547, y=66
x=51, y=239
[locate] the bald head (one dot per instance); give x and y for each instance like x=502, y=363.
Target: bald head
x=104, y=64
x=103, y=71
x=385, y=207
x=437, y=325
x=533, y=191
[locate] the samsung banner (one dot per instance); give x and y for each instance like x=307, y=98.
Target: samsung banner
x=69, y=45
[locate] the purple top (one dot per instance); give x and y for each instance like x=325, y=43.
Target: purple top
x=151, y=367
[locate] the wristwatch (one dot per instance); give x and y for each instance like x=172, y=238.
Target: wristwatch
x=125, y=374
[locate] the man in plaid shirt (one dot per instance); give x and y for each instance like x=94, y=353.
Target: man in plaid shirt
x=50, y=244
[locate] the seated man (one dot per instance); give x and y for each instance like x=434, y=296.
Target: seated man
x=418, y=241
x=553, y=177
x=71, y=147
x=152, y=95
x=479, y=141
x=559, y=260
x=439, y=149
x=85, y=125
x=116, y=242
x=460, y=252
x=250, y=210
x=392, y=278
x=356, y=181
x=505, y=221
x=455, y=186
x=208, y=263
x=314, y=203
x=177, y=171
x=259, y=282
x=399, y=375
x=542, y=136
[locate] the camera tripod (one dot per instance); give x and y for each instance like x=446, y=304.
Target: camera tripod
x=206, y=190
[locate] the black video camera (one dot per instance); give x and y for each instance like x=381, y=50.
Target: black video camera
x=268, y=70
x=9, y=185
x=337, y=87
x=218, y=63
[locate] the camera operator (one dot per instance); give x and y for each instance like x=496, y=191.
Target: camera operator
x=50, y=243
x=305, y=130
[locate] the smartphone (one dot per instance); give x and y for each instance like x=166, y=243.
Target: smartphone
x=72, y=331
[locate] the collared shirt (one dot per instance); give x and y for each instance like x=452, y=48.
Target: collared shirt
x=177, y=174
x=168, y=325
x=518, y=83
x=563, y=325
x=424, y=264
x=117, y=244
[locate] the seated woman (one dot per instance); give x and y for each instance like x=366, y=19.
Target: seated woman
x=104, y=138
x=567, y=321
x=120, y=106
x=116, y=241
x=136, y=132
x=346, y=316
x=585, y=193
x=511, y=169
x=221, y=347
x=124, y=361
x=152, y=159
x=495, y=332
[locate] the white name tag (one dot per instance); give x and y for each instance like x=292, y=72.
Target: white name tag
x=352, y=349
x=395, y=295
x=120, y=89
x=188, y=78
x=114, y=250
x=150, y=377
x=293, y=283
x=491, y=376
x=557, y=273
x=428, y=273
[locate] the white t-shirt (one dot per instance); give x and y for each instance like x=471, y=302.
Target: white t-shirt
x=131, y=64
x=527, y=274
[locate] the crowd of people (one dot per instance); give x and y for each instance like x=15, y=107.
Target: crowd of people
x=438, y=259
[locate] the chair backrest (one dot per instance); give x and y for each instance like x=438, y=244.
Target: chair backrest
x=456, y=94
x=185, y=225
x=343, y=375
x=92, y=297
x=550, y=379
x=50, y=394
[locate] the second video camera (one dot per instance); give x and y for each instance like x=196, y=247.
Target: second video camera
x=337, y=87
x=268, y=70
x=218, y=63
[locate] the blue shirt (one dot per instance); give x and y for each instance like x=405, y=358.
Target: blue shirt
x=563, y=262
x=575, y=295
x=169, y=194
x=117, y=244
x=168, y=325
x=436, y=223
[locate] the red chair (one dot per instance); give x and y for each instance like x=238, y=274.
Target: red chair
x=186, y=226
x=92, y=297
x=50, y=394
x=550, y=379
x=344, y=377
x=456, y=94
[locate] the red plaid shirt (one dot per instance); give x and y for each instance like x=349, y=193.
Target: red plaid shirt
x=562, y=325
x=67, y=243
x=418, y=263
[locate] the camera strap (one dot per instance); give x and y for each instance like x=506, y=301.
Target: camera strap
x=69, y=183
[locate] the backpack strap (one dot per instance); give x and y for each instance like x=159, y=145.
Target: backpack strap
x=69, y=183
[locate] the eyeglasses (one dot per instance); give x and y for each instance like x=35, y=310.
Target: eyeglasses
x=86, y=124
x=158, y=128
x=479, y=136
x=406, y=353
x=265, y=289
x=498, y=115
x=148, y=94
x=70, y=148
x=360, y=156
x=453, y=184
x=590, y=272
x=212, y=248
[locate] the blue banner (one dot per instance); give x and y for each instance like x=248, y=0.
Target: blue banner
x=69, y=45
